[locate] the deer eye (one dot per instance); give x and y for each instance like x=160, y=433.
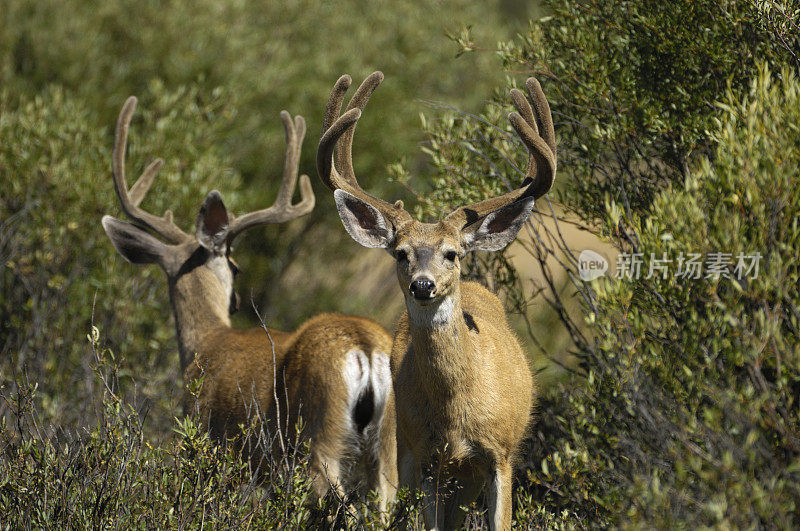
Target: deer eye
x=450, y=255
x=401, y=255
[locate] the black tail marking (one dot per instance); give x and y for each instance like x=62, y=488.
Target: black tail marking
x=364, y=409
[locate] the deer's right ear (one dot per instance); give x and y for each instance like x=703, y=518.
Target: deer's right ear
x=134, y=244
x=363, y=222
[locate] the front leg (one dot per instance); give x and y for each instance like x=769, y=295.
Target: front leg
x=446, y=493
x=500, y=498
x=433, y=502
x=465, y=494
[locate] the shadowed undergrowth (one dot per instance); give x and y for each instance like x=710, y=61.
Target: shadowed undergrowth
x=111, y=475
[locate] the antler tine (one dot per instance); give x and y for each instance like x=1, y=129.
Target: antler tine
x=537, y=133
x=129, y=200
x=344, y=148
x=142, y=184
x=327, y=145
x=543, y=113
x=295, y=132
x=334, y=105
x=337, y=138
x=539, y=137
x=282, y=209
x=333, y=126
x=338, y=131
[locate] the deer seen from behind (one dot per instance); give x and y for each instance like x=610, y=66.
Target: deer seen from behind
x=462, y=384
x=334, y=369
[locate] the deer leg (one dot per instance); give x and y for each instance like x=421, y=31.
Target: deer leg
x=383, y=479
x=406, y=467
x=432, y=503
x=328, y=481
x=463, y=496
x=500, y=498
x=326, y=476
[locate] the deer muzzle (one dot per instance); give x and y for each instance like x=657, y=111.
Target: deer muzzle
x=422, y=289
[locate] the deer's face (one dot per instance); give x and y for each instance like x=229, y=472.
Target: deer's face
x=429, y=254
x=428, y=260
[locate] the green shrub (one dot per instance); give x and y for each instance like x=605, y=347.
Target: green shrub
x=266, y=55
x=690, y=412
x=687, y=412
x=109, y=475
x=633, y=85
x=58, y=271
x=211, y=78
x=679, y=405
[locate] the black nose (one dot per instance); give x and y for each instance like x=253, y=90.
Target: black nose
x=422, y=288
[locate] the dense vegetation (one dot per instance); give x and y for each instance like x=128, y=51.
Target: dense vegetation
x=211, y=78
x=678, y=133
x=681, y=401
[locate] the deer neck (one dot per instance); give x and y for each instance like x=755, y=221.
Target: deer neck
x=200, y=305
x=442, y=350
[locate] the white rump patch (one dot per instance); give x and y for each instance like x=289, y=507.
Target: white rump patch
x=369, y=382
x=381, y=378
x=356, y=375
x=361, y=372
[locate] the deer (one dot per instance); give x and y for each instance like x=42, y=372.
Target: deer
x=464, y=391
x=334, y=367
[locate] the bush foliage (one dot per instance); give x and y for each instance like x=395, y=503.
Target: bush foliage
x=211, y=78
x=108, y=475
x=689, y=411
x=680, y=404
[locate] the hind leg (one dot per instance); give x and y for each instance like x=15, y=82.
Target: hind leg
x=432, y=504
x=444, y=501
x=383, y=476
x=382, y=462
x=336, y=436
x=327, y=476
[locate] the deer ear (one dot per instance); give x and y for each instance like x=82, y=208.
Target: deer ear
x=134, y=244
x=213, y=222
x=499, y=228
x=363, y=222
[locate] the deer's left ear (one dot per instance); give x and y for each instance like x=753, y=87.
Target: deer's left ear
x=213, y=223
x=497, y=229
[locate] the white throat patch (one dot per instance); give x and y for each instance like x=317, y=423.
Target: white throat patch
x=433, y=315
x=220, y=268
